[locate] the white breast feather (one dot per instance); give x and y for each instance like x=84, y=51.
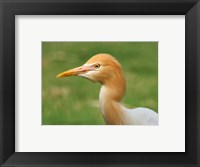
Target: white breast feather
x=140, y=116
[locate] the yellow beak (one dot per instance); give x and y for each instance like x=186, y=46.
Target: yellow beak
x=74, y=71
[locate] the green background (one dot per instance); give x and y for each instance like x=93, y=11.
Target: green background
x=74, y=100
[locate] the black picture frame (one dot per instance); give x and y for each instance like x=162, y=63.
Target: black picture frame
x=10, y=8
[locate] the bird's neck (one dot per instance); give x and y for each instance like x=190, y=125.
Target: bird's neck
x=111, y=94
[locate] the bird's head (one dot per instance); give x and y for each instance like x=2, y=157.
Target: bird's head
x=99, y=68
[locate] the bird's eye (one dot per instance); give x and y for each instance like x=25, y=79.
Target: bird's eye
x=97, y=65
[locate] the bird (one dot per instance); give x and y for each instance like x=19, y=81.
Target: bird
x=105, y=69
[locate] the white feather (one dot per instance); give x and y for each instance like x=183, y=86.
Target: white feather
x=140, y=116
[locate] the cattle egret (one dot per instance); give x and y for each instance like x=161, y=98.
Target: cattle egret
x=106, y=70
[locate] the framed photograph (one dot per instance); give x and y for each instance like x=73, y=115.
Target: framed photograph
x=99, y=83
x=116, y=82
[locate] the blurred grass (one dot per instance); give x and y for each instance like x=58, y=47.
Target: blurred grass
x=74, y=100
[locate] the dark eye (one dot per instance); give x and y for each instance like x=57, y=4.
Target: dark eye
x=97, y=65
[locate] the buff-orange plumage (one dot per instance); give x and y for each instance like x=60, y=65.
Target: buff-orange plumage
x=106, y=70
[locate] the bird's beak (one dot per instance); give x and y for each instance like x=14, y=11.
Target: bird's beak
x=74, y=71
